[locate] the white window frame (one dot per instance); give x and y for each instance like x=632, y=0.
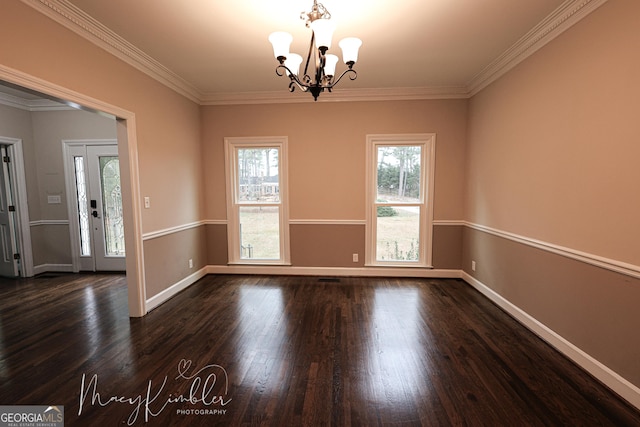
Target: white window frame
x=231, y=146
x=428, y=143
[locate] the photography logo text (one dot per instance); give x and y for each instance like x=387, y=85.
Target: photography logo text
x=206, y=393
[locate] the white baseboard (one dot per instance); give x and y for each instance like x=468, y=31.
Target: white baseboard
x=333, y=271
x=611, y=379
x=163, y=296
x=52, y=268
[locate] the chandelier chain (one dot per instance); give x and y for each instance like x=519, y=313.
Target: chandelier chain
x=318, y=11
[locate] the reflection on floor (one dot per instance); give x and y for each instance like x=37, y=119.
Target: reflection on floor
x=295, y=351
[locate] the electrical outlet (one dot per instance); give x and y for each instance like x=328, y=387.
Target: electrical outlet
x=355, y=257
x=473, y=265
x=190, y=263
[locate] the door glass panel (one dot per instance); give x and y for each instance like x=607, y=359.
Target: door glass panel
x=259, y=232
x=112, y=206
x=399, y=173
x=83, y=212
x=258, y=179
x=398, y=233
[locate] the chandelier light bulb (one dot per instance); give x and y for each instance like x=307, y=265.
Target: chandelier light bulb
x=350, y=46
x=281, y=42
x=293, y=63
x=323, y=32
x=330, y=65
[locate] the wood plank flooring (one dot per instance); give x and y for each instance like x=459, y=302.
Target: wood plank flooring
x=287, y=351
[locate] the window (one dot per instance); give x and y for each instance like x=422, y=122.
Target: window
x=83, y=211
x=112, y=205
x=257, y=208
x=400, y=170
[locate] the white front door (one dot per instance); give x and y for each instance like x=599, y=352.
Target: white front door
x=106, y=207
x=9, y=264
x=99, y=230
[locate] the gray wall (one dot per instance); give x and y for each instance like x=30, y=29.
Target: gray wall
x=42, y=133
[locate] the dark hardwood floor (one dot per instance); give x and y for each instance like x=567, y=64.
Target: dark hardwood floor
x=292, y=351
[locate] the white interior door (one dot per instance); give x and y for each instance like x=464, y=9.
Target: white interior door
x=9, y=265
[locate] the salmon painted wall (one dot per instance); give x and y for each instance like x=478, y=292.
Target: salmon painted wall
x=327, y=146
x=167, y=123
x=552, y=161
x=554, y=144
x=327, y=150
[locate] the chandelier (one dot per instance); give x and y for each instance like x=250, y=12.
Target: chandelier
x=323, y=72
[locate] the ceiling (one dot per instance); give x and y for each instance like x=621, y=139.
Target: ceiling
x=214, y=50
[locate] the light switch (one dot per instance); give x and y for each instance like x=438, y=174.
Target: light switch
x=147, y=202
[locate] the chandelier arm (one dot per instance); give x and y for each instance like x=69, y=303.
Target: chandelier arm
x=306, y=67
x=295, y=81
x=281, y=70
x=320, y=62
x=353, y=76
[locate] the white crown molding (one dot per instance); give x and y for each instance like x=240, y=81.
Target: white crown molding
x=73, y=18
x=564, y=17
x=338, y=95
x=31, y=104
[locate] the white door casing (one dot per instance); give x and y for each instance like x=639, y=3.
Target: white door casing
x=17, y=231
x=9, y=261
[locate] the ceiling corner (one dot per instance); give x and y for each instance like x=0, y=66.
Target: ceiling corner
x=564, y=17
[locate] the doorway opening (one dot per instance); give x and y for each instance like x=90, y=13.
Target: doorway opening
x=15, y=237
x=125, y=122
